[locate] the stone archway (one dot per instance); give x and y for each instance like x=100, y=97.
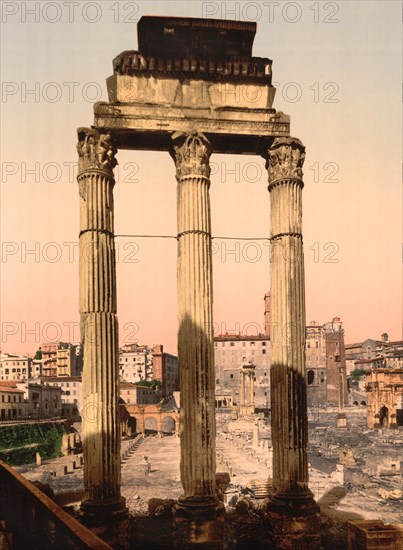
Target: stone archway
x=150, y=425
x=168, y=426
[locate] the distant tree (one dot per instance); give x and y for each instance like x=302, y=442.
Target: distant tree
x=356, y=374
x=149, y=383
x=38, y=354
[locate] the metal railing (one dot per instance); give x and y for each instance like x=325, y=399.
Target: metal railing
x=31, y=520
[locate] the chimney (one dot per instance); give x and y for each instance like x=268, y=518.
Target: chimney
x=385, y=337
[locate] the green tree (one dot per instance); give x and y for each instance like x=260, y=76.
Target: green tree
x=356, y=374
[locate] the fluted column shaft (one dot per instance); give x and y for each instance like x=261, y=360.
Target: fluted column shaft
x=288, y=377
x=191, y=154
x=242, y=388
x=251, y=388
x=99, y=324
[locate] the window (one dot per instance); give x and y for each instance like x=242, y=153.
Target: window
x=232, y=344
x=316, y=344
x=263, y=352
x=263, y=344
x=310, y=377
x=231, y=376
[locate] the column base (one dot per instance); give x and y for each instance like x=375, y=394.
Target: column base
x=101, y=510
x=199, y=522
x=295, y=521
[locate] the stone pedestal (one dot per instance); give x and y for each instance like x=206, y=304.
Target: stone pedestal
x=99, y=325
x=191, y=154
x=292, y=510
x=341, y=420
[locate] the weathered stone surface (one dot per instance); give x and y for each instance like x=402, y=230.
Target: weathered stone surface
x=292, y=511
x=191, y=154
x=99, y=325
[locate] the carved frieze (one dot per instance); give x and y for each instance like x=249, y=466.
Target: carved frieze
x=191, y=153
x=285, y=159
x=96, y=150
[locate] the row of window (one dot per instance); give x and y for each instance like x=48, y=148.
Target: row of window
x=4, y=400
x=7, y=371
x=232, y=344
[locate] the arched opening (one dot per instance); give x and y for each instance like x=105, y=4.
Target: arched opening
x=383, y=415
x=150, y=426
x=363, y=403
x=355, y=403
x=168, y=425
x=310, y=377
x=132, y=424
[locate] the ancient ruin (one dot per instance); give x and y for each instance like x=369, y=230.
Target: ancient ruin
x=194, y=89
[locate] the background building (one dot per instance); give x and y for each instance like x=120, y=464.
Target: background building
x=15, y=367
x=325, y=357
x=138, y=395
x=12, y=403
x=384, y=388
x=165, y=369
x=71, y=396
x=231, y=353
x=137, y=363
x=44, y=401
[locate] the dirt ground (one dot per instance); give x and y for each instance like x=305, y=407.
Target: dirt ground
x=244, y=451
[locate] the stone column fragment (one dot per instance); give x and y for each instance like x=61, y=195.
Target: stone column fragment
x=191, y=153
x=242, y=388
x=288, y=375
x=251, y=388
x=99, y=324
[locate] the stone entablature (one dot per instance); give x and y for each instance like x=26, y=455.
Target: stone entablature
x=250, y=70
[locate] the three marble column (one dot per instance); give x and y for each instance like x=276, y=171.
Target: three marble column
x=191, y=153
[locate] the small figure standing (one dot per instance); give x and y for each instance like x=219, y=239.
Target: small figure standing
x=147, y=469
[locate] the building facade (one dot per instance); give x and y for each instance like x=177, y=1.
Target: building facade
x=12, y=403
x=135, y=394
x=15, y=367
x=231, y=352
x=166, y=370
x=137, y=363
x=384, y=397
x=325, y=363
x=44, y=401
x=71, y=395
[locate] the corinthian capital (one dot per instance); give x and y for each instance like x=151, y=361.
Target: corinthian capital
x=285, y=158
x=191, y=153
x=95, y=150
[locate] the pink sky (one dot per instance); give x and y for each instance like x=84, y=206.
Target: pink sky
x=339, y=82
